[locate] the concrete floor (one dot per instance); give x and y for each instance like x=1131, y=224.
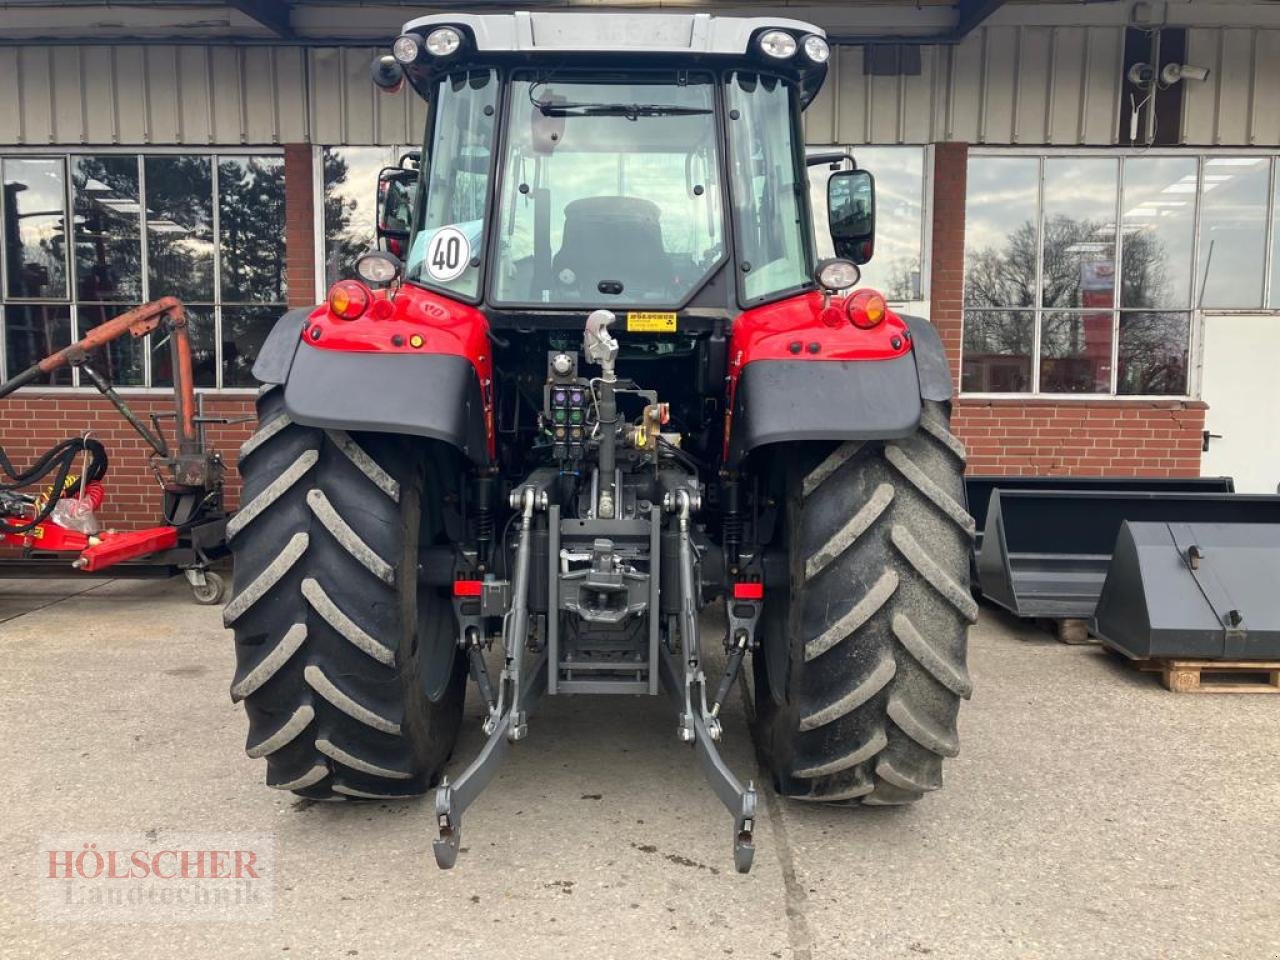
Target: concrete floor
x=1090, y=814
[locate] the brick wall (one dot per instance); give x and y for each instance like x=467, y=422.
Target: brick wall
x=1122, y=438
x=300, y=231
x=946, y=275
x=1097, y=438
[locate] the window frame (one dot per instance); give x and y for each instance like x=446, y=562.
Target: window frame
x=140, y=152
x=1196, y=313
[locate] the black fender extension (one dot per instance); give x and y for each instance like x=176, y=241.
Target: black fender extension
x=778, y=401
x=426, y=395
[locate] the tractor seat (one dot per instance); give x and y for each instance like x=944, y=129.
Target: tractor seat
x=612, y=238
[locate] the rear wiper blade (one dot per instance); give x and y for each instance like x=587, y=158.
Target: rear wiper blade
x=631, y=111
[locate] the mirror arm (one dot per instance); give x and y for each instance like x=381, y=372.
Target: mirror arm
x=833, y=157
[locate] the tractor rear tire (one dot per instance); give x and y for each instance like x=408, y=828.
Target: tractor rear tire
x=348, y=668
x=862, y=669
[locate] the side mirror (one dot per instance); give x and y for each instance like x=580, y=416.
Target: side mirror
x=851, y=214
x=397, y=192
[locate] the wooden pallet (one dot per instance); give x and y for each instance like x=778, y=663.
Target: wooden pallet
x=1188, y=676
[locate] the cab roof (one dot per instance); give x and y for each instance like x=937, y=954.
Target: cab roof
x=554, y=32
x=618, y=41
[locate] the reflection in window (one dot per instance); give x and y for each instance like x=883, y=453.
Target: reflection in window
x=1233, y=230
x=251, y=229
x=243, y=330
x=997, y=351
x=123, y=360
x=204, y=356
x=1079, y=242
x=1075, y=352
x=894, y=270
x=1000, y=232
x=180, y=227
x=1158, y=219
x=108, y=217
x=124, y=210
x=1073, y=286
x=350, y=205
x=35, y=218
x=32, y=332
x=1153, y=353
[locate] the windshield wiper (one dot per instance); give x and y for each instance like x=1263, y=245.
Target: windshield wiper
x=631, y=111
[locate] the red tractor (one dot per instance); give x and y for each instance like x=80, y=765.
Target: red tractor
x=596, y=383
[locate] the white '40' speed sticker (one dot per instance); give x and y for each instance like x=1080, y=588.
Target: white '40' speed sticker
x=448, y=254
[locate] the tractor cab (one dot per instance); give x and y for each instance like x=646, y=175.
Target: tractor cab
x=641, y=162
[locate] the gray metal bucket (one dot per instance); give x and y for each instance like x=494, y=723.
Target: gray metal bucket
x=1204, y=591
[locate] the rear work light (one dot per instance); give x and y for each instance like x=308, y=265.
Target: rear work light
x=349, y=299
x=443, y=42
x=778, y=44
x=407, y=48
x=866, y=309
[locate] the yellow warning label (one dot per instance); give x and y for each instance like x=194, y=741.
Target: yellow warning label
x=651, y=322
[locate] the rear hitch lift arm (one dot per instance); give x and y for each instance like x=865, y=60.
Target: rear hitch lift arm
x=687, y=685
x=519, y=687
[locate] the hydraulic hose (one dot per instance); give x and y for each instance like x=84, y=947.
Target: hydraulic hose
x=60, y=458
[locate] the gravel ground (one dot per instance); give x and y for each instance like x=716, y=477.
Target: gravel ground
x=1090, y=814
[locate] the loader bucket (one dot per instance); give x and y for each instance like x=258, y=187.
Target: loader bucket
x=978, y=490
x=1204, y=591
x=1045, y=552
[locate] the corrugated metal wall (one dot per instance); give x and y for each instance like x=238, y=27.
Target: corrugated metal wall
x=1219, y=111
x=1004, y=85
x=1007, y=85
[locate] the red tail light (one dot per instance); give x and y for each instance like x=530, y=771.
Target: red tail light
x=866, y=309
x=349, y=299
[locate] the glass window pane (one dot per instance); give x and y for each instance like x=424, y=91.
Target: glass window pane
x=180, y=227
x=35, y=223
x=1158, y=220
x=766, y=184
x=120, y=361
x=899, y=173
x=1000, y=234
x=1153, y=353
x=1075, y=352
x=204, y=357
x=461, y=147
x=1233, y=225
x=350, y=205
x=1079, y=267
x=31, y=333
x=632, y=202
x=251, y=229
x=107, y=218
x=997, y=351
x=243, y=330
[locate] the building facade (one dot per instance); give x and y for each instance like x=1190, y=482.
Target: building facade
x=1099, y=249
